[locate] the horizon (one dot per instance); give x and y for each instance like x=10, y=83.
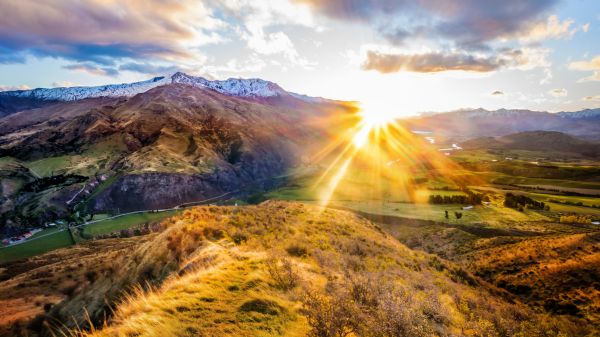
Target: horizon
x=415, y=114
x=537, y=56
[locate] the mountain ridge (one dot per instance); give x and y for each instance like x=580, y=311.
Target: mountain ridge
x=474, y=123
x=251, y=87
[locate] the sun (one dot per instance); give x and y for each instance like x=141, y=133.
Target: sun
x=371, y=120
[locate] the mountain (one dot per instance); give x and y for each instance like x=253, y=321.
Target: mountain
x=583, y=114
x=543, y=141
x=181, y=141
x=474, y=123
x=13, y=101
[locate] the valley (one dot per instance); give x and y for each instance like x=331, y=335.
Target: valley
x=299, y=168
x=151, y=204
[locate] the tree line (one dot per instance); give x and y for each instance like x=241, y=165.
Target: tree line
x=469, y=198
x=521, y=202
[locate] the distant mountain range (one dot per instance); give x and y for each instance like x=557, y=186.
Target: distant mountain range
x=542, y=141
x=473, y=123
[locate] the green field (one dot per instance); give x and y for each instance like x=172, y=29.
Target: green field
x=62, y=239
x=36, y=247
x=45, y=167
x=124, y=222
x=493, y=215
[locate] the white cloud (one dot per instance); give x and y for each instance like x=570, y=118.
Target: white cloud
x=592, y=98
x=585, y=28
x=552, y=28
x=258, y=17
x=562, y=92
x=592, y=65
x=60, y=84
x=14, y=87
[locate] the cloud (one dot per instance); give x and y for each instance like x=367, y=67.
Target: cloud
x=149, y=68
x=433, y=62
x=428, y=62
x=558, y=92
x=260, y=22
x=14, y=87
x=103, y=31
x=585, y=28
x=592, y=98
x=552, y=28
x=592, y=65
x=61, y=84
x=467, y=24
x=497, y=93
x=93, y=69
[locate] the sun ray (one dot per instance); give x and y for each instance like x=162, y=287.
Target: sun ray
x=373, y=156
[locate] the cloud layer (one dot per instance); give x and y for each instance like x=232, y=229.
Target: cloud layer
x=469, y=24
x=101, y=32
x=429, y=62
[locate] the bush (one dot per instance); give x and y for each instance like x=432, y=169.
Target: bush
x=296, y=250
x=239, y=237
x=262, y=306
x=283, y=273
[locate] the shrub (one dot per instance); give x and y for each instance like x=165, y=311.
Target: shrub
x=329, y=316
x=262, y=306
x=283, y=273
x=239, y=238
x=91, y=276
x=296, y=250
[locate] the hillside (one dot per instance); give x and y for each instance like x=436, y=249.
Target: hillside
x=542, y=141
x=172, y=144
x=281, y=269
x=474, y=123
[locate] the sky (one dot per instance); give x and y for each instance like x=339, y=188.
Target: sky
x=399, y=56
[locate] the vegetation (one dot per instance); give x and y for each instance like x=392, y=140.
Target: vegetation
x=125, y=222
x=303, y=270
x=575, y=219
x=521, y=201
x=54, y=240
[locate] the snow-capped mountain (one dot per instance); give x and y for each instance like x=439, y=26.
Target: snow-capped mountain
x=234, y=87
x=77, y=93
x=252, y=87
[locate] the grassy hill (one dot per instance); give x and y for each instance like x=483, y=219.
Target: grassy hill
x=277, y=269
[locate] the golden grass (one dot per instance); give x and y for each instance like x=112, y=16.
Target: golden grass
x=224, y=289
x=559, y=273
x=257, y=270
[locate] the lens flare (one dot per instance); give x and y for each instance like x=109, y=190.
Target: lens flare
x=372, y=156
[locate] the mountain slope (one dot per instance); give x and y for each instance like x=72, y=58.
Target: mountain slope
x=286, y=269
x=169, y=145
